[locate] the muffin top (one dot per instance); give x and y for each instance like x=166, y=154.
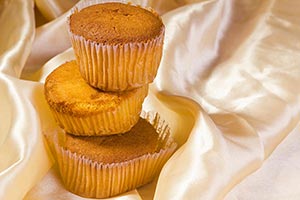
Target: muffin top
x=67, y=92
x=140, y=140
x=115, y=23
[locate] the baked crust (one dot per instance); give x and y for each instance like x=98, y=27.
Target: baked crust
x=67, y=92
x=116, y=23
x=82, y=110
x=140, y=140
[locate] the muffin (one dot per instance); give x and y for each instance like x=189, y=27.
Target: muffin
x=100, y=167
x=118, y=46
x=83, y=110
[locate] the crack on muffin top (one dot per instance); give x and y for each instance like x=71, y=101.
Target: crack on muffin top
x=67, y=92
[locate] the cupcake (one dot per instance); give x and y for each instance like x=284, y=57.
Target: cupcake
x=100, y=167
x=83, y=110
x=118, y=46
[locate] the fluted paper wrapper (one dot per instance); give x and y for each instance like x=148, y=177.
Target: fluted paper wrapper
x=116, y=67
x=119, y=120
x=88, y=178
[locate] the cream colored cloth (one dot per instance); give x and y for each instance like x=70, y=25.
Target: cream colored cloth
x=228, y=85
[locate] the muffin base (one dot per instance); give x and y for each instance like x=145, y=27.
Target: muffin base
x=88, y=178
x=119, y=120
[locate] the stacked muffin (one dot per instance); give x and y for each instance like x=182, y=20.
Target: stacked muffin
x=106, y=147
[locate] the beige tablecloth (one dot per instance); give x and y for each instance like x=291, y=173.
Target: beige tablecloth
x=228, y=85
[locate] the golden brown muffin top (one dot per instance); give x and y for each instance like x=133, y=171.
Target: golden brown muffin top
x=140, y=140
x=67, y=92
x=115, y=23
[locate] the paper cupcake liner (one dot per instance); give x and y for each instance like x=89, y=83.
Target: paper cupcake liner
x=116, y=67
x=87, y=178
x=119, y=120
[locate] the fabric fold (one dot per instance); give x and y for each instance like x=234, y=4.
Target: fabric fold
x=17, y=36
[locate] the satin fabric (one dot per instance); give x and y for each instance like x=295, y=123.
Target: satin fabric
x=228, y=85
x=53, y=9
